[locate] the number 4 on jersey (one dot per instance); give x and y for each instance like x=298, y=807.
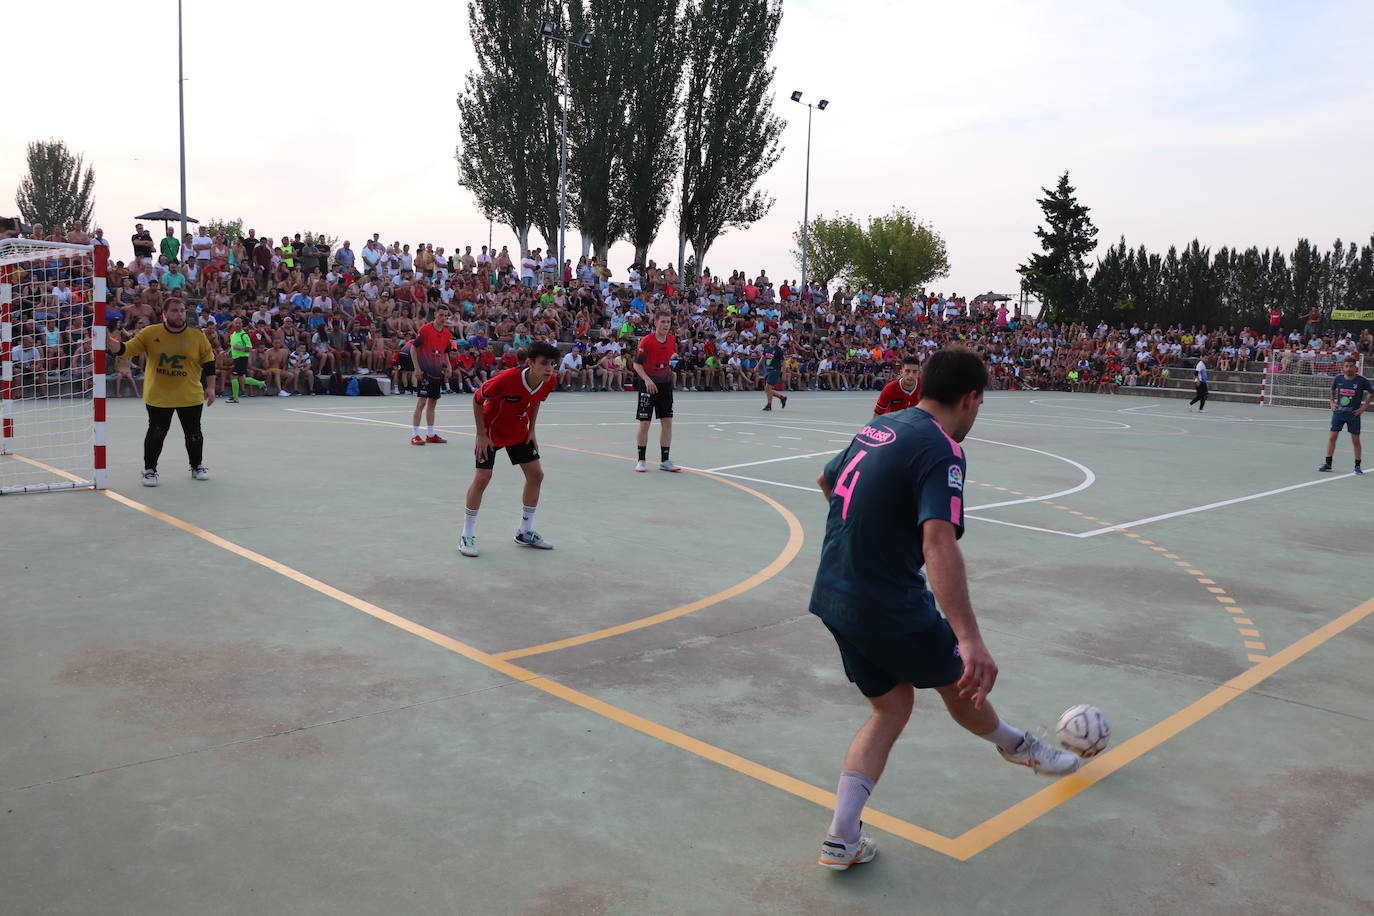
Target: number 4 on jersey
x=848, y=479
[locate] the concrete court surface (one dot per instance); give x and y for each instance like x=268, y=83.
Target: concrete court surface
x=283, y=692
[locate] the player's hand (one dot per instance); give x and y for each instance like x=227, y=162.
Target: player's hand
x=209, y=396
x=980, y=672
x=482, y=447
x=650, y=387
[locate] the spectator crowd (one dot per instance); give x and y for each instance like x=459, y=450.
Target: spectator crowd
x=314, y=310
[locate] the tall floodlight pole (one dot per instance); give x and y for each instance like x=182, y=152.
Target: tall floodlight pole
x=584, y=42
x=181, y=114
x=806, y=196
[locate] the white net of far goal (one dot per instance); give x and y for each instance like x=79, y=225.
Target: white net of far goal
x=52, y=353
x=1302, y=378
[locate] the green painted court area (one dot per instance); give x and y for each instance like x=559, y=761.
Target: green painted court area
x=283, y=690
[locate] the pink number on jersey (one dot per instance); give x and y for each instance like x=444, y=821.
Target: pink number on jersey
x=845, y=488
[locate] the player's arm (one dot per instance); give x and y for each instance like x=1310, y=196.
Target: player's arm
x=949, y=580
x=483, y=444
x=534, y=415
x=649, y=385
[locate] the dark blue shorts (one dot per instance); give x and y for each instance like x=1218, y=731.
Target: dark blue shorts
x=926, y=659
x=1347, y=420
x=772, y=377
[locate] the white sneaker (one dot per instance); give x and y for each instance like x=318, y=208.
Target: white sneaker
x=1043, y=759
x=467, y=545
x=200, y=473
x=532, y=539
x=839, y=856
x=668, y=466
x=640, y=466
x=283, y=394
x=149, y=477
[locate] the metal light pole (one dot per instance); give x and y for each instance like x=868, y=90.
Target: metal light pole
x=584, y=42
x=181, y=115
x=806, y=198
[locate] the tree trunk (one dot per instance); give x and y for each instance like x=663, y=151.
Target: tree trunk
x=523, y=234
x=642, y=254
x=682, y=258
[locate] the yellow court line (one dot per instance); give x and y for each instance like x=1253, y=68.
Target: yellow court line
x=1000, y=826
x=795, y=539
x=743, y=765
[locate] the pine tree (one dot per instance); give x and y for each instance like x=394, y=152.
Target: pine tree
x=1058, y=275
x=56, y=192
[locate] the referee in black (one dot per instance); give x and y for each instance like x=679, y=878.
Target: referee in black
x=1200, y=398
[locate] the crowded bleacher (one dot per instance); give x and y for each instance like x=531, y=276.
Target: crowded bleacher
x=319, y=315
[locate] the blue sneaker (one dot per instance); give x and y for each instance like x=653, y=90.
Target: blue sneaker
x=532, y=539
x=1358, y=469
x=1325, y=467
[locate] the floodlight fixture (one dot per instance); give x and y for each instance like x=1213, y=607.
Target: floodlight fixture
x=586, y=40
x=546, y=30
x=822, y=103
x=796, y=96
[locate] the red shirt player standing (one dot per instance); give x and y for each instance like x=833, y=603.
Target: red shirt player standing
x=901, y=392
x=429, y=354
x=653, y=367
x=504, y=410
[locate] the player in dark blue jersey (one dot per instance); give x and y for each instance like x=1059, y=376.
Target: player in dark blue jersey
x=896, y=496
x=773, y=355
x=1348, y=404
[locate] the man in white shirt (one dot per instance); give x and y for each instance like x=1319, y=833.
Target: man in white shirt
x=201, y=245
x=550, y=268
x=570, y=368
x=527, y=264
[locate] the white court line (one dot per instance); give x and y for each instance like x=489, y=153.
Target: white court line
x=1088, y=477
x=998, y=521
x=749, y=464
x=776, y=483
x=1216, y=505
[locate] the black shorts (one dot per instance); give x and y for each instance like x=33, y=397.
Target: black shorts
x=926, y=659
x=429, y=387
x=658, y=405
x=240, y=365
x=406, y=363
x=523, y=453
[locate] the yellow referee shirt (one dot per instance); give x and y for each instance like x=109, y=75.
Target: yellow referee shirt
x=172, y=376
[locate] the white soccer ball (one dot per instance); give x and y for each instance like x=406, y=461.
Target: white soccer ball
x=1084, y=730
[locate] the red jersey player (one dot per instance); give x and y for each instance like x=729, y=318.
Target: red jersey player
x=429, y=354
x=504, y=409
x=901, y=392
x=654, y=379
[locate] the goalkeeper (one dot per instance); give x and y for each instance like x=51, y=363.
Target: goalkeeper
x=240, y=348
x=180, y=372
x=1348, y=392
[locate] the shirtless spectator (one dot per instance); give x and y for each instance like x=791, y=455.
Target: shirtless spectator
x=279, y=373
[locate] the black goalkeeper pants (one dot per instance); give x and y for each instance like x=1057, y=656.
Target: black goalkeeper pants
x=160, y=421
x=1201, y=397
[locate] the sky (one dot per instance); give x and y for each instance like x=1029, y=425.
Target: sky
x=1238, y=123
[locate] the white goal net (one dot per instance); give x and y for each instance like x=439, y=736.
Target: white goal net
x=52, y=379
x=1302, y=378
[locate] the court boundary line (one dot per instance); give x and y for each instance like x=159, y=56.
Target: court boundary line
x=962, y=847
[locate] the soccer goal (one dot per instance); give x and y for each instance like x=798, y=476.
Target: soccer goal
x=1302, y=378
x=52, y=366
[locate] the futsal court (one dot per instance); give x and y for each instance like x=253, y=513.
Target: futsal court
x=283, y=690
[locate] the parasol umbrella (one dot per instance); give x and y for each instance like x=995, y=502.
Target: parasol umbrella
x=167, y=216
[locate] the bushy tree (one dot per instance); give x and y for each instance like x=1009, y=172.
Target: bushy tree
x=57, y=191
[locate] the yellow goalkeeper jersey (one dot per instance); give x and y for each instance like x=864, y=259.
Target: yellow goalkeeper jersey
x=172, y=375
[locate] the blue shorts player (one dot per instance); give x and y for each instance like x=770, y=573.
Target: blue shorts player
x=1348, y=404
x=896, y=496
x=773, y=355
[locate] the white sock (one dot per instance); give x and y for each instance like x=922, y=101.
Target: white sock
x=430, y=430
x=1005, y=736
x=415, y=430
x=850, y=797
x=526, y=518
x=469, y=522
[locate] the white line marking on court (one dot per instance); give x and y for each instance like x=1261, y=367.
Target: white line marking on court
x=998, y=521
x=1088, y=477
x=793, y=438
x=776, y=483
x=1216, y=505
x=749, y=464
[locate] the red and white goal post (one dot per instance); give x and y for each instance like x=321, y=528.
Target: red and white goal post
x=52, y=366
x=1302, y=378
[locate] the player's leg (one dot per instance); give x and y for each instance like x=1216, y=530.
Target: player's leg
x=159, y=421
x=431, y=435
x=195, y=439
x=864, y=762
x=644, y=413
x=1355, y=442
x=1336, y=425
x=526, y=456
x=467, y=543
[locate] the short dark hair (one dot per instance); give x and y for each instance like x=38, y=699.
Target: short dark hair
x=911, y=361
x=951, y=374
x=542, y=348
x=1350, y=359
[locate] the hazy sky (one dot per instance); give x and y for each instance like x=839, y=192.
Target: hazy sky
x=1237, y=123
